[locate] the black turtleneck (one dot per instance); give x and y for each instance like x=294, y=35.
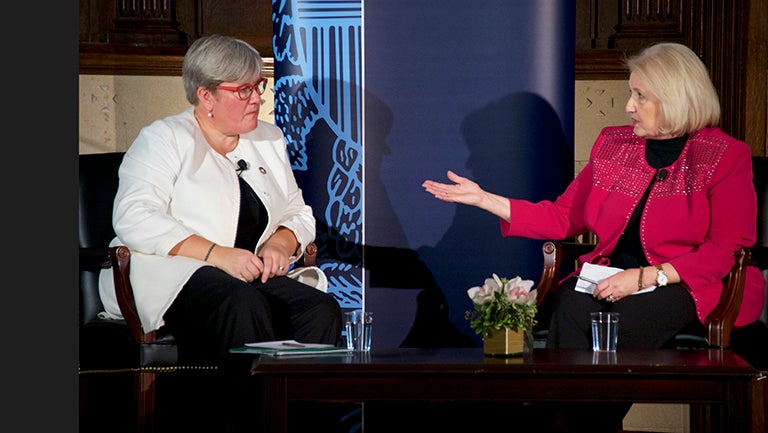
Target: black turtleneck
x=662, y=153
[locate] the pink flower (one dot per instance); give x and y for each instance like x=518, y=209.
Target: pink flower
x=519, y=291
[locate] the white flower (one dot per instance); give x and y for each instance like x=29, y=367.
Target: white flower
x=519, y=291
x=482, y=294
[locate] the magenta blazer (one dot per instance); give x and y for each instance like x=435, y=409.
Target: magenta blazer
x=703, y=211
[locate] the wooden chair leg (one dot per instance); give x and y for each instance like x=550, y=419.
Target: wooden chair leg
x=144, y=383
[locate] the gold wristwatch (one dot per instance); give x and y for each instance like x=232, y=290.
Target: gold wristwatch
x=661, y=277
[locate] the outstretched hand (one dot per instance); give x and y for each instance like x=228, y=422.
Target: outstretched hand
x=465, y=191
x=462, y=190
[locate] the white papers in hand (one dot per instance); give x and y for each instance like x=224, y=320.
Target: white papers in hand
x=597, y=273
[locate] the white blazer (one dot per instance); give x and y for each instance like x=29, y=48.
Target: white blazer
x=173, y=185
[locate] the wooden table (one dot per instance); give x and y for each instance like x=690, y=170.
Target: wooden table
x=719, y=386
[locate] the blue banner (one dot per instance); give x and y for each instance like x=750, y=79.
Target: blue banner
x=377, y=97
x=318, y=104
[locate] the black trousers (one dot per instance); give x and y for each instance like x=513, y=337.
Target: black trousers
x=647, y=321
x=215, y=312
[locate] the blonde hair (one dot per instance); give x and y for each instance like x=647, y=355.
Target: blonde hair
x=680, y=80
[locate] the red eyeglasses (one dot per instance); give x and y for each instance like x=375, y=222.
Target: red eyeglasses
x=245, y=91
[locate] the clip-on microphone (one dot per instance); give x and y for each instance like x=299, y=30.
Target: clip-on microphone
x=241, y=166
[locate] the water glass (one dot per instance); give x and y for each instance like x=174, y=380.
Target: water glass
x=358, y=326
x=605, y=329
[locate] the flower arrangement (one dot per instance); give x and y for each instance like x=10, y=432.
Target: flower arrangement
x=501, y=303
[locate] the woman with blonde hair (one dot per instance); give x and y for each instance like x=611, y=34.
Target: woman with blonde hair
x=670, y=199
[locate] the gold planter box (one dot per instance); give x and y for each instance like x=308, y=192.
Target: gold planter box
x=504, y=343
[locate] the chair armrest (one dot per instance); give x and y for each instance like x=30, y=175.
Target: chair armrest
x=120, y=258
x=720, y=321
x=310, y=255
x=554, y=253
x=553, y=257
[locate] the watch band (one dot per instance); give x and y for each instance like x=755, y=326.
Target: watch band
x=661, y=277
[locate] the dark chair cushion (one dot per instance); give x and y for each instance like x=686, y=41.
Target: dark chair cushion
x=107, y=345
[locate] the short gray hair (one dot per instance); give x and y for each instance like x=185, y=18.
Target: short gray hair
x=212, y=60
x=680, y=80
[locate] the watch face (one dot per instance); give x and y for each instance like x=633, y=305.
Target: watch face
x=661, y=280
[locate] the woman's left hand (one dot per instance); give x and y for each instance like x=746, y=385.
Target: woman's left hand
x=276, y=261
x=617, y=286
x=276, y=253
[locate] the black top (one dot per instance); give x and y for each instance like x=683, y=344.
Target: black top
x=629, y=251
x=252, y=220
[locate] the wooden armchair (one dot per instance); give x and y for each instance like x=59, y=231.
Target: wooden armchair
x=121, y=368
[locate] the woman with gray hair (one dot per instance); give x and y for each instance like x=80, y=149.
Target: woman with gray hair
x=670, y=199
x=210, y=209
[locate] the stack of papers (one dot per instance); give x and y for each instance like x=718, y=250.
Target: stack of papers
x=290, y=348
x=591, y=274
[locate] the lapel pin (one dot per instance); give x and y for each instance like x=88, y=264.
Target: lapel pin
x=263, y=170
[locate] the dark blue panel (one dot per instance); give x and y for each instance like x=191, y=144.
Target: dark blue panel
x=482, y=88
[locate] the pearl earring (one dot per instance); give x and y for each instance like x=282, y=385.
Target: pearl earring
x=210, y=114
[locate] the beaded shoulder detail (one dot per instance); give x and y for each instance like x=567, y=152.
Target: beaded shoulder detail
x=619, y=163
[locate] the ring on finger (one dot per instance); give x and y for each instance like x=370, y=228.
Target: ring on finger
x=610, y=298
x=280, y=268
